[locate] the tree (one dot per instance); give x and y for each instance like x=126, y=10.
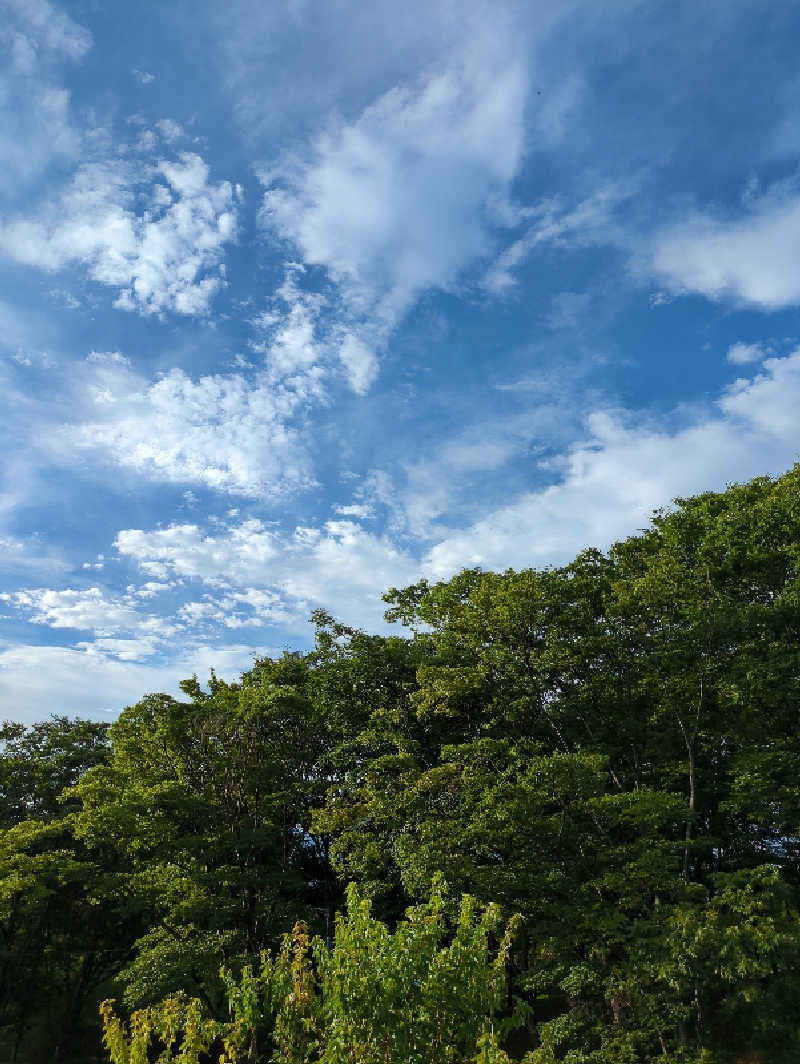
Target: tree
x=604, y=745
x=56, y=939
x=38, y=762
x=609, y=748
x=207, y=806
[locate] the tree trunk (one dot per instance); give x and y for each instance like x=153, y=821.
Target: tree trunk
x=691, y=809
x=690, y=739
x=73, y=1010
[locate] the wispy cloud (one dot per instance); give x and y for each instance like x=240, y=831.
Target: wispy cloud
x=90, y=681
x=593, y=220
x=426, y=496
x=24, y=557
x=603, y=486
x=39, y=24
x=337, y=52
x=36, y=125
x=607, y=484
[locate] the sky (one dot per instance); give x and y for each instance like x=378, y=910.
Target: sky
x=307, y=299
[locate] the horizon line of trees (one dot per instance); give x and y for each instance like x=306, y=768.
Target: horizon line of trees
x=610, y=749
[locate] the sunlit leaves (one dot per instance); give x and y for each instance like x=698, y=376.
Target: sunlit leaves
x=423, y=994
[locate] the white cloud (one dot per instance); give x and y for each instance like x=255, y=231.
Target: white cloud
x=242, y=555
x=248, y=607
x=402, y=199
x=300, y=334
x=87, y=609
x=104, y=358
x=169, y=130
x=740, y=354
x=766, y=408
x=165, y=258
x=343, y=563
x=118, y=627
x=193, y=613
x=35, y=123
x=360, y=511
x=360, y=363
x=246, y=574
x=255, y=598
x=138, y=649
x=611, y=481
x=280, y=577
x=392, y=203
x=99, y=680
x=61, y=297
x=149, y=589
x=748, y=256
x=290, y=343
x=225, y=432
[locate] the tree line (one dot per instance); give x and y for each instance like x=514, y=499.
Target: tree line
x=573, y=792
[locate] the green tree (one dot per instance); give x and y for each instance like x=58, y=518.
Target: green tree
x=38, y=762
x=206, y=804
x=609, y=748
x=603, y=744
x=58, y=931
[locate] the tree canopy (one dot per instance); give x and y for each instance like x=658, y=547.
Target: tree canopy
x=606, y=752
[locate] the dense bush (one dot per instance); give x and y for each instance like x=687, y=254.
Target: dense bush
x=420, y=995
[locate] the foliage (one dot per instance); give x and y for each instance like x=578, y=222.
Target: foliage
x=56, y=918
x=604, y=744
x=206, y=805
x=609, y=748
x=424, y=994
x=38, y=762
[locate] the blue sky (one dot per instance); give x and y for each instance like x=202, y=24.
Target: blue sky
x=302, y=300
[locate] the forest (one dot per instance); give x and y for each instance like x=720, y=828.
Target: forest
x=556, y=818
